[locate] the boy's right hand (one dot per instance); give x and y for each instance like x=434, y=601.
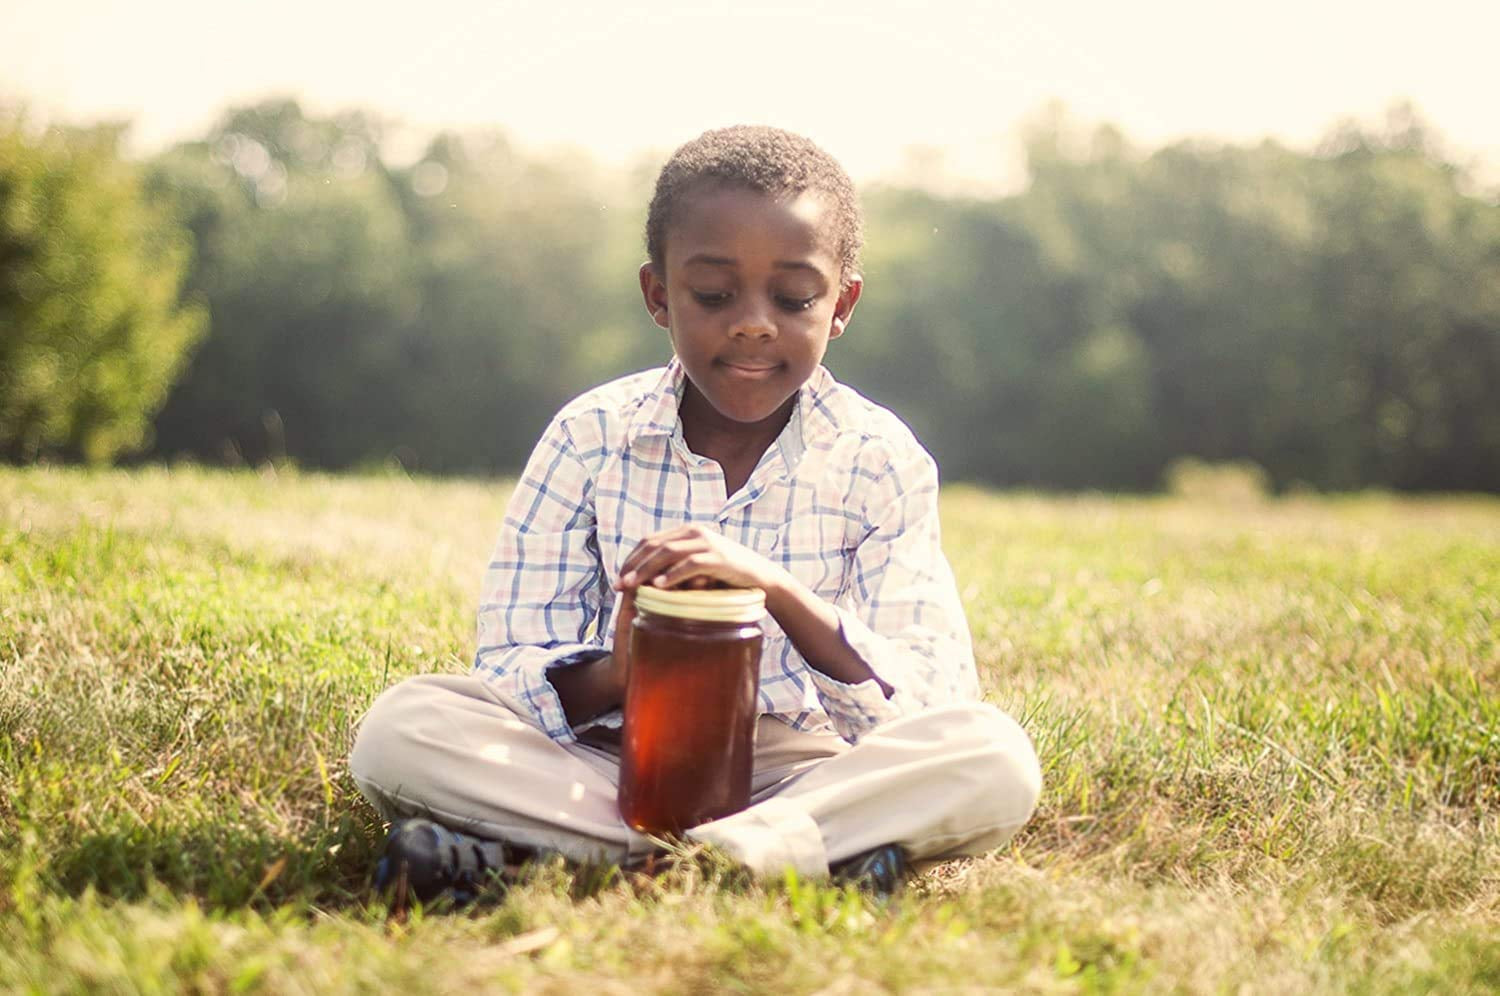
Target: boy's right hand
x=587, y=690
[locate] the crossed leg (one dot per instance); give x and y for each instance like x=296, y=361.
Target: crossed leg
x=953, y=780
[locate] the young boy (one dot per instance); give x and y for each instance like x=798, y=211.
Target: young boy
x=741, y=462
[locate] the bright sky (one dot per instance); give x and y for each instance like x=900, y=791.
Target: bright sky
x=866, y=80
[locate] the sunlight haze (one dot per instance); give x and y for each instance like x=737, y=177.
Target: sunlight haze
x=883, y=87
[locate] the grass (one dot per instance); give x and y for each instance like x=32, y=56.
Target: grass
x=1270, y=735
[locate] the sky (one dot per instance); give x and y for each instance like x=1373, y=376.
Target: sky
x=953, y=80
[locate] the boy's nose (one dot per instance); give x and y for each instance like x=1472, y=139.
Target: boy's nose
x=754, y=323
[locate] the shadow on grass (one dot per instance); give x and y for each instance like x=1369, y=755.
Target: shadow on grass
x=222, y=866
x=227, y=867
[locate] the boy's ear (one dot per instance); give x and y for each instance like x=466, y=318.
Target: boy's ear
x=843, y=309
x=654, y=292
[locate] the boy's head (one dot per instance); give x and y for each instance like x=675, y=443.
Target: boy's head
x=754, y=239
x=770, y=161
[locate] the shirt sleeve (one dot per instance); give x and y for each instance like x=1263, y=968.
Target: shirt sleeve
x=901, y=612
x=540, y=602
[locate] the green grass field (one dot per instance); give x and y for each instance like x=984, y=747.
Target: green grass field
x=1270, y=734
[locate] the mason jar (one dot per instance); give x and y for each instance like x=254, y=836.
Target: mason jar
x=693, y=671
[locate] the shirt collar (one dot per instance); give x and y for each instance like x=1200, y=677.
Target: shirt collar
x=822, y=410
x=657, y=413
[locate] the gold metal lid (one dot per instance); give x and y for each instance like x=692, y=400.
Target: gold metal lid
x=706, y=604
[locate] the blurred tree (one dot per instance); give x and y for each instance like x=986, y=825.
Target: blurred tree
x=1408, y=290
x=91, y=330
x=303, y=256
x=989, y=350
x=1184, y=263
x=1331, y=317
x=516, y=314
x=436, y=314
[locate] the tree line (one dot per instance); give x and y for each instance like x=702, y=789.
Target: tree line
x=278, y=290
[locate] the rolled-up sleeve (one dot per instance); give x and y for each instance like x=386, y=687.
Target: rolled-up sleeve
x=543, y=589
x=901, y=612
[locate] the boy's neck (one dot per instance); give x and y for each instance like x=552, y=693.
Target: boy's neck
x=736, y=446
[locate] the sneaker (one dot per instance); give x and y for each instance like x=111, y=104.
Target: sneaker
x=881, y=872
x=424, y=860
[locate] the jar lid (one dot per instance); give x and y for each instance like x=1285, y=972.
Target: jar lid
x=706, y=604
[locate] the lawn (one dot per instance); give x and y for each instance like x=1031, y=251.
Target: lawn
x=1269, y=731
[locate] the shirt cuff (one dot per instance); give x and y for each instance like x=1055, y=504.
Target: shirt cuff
x=521, y=682
x=855, y=709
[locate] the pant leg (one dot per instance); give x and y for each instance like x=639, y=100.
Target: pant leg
x=445, y=746
x=783, y=755
x=950, y=781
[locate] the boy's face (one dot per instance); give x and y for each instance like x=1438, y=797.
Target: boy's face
x=750, y=292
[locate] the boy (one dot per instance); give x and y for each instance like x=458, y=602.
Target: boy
x=741, y=462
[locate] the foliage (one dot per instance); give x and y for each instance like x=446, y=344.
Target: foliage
x=435, y=315
x=1331, y=316
x=91, y=331
x=993, y=353
x=303, y=257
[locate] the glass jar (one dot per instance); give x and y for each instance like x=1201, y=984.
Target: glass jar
x=693, y=670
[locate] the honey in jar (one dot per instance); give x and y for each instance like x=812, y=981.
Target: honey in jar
x=693, y=670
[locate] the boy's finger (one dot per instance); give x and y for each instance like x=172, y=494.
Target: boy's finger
x=661, y=559
x=690, y=533
x=645, y=570
x=642, y=548
x=635, y=568
x=691, y=566
x=656, y=541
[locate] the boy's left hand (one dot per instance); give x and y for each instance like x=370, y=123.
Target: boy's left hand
x=688, y=554
x=692, y=556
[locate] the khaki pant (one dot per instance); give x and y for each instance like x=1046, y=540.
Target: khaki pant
x=950, y=781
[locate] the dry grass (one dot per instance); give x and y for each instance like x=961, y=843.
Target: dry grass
x=1270, y=732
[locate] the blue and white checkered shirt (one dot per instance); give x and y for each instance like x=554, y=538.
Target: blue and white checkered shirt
x=846, y=500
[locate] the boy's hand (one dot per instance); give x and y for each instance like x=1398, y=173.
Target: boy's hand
x=692, y=556
x=586, y=690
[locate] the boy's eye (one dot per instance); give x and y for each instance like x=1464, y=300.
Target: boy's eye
x=796, y=303
x=710, y=299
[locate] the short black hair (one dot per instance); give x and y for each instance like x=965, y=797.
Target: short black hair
x=768, y=160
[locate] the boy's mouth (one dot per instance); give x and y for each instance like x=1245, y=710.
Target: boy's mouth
x=753, y=371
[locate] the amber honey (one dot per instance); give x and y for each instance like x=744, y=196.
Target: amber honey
x=690, y=706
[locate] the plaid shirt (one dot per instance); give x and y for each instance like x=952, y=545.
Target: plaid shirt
x=845, y=500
